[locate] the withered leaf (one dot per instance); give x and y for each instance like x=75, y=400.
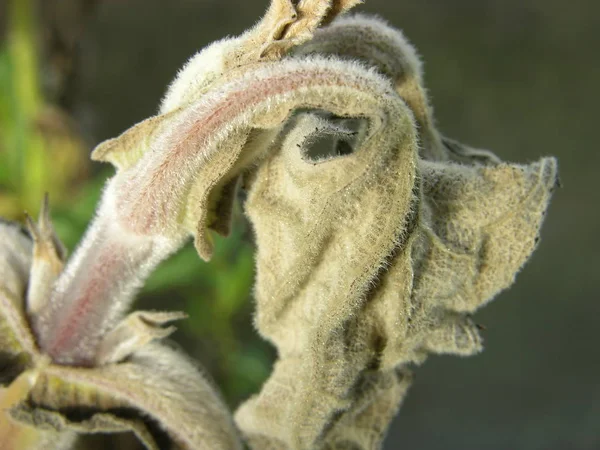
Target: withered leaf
x=339, y=319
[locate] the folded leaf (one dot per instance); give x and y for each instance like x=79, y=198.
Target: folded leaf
x=15, y=257
x=371, y=284
x=49, y=256
x=157, y=393
x=134, y=332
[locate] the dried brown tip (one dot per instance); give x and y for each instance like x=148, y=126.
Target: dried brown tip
x=285, y=25
x=46, y=241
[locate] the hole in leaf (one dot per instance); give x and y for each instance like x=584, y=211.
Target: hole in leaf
x=332, y=136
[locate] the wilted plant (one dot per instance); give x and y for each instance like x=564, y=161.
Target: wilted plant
x=377, y=238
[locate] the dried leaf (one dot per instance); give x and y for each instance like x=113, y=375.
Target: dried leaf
x=154, y=382
x=15, y=257
x=49, y=255
x=286, y=24
x=363, y=426
x=18, y=435
x=48, y=421
x=358, y=296
x=327, y=229
x=134, y=332
x=374, y=42
x=125, y=150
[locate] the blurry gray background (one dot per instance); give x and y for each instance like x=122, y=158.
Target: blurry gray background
x=519, y=77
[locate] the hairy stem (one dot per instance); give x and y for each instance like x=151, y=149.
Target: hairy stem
x=168, y=192
x=97, y=287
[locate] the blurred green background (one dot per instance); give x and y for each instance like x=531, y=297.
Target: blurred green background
x=520, y=77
